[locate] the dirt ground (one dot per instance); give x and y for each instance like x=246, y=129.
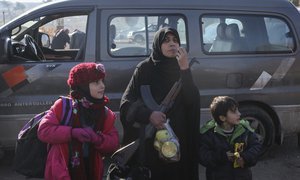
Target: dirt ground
x=281, y=163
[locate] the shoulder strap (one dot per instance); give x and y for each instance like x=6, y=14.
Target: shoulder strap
x=105, y=111
x=67, y=110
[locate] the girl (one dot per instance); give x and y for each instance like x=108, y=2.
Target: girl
x=76, y=150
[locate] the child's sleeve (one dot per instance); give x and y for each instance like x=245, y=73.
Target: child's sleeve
x=209, y=155
x=110, y=135
x=50, y=130
x=253, y=150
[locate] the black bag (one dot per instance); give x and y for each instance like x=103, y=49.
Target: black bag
x=129, y=173
x=31, y=153
x=121, y=167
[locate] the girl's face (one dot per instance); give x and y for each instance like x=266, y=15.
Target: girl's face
x=170, y=46
x=97, y=89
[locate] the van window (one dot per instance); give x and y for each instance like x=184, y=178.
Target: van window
x=133, y=35
x=55, y=37
x=75, y=32
x=246, y=34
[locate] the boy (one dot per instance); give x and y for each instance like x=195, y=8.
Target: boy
x=228, y=146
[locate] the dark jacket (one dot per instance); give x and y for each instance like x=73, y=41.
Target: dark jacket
x=213, y=145
x=77, y=39
x=60, y=39
x=161, y=73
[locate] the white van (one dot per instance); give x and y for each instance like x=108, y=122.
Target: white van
x=247, y=49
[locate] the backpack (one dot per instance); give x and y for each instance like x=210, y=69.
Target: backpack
x=31, y=153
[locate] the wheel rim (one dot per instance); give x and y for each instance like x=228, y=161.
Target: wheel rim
x=258, y=127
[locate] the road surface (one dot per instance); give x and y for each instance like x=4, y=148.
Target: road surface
x=281, y=163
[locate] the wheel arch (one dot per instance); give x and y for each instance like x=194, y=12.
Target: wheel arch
x=272, y=114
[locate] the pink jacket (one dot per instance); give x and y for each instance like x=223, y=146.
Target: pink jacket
x=59, y=136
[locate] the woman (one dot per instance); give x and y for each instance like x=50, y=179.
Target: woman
x=76, y=150
x=161, y=70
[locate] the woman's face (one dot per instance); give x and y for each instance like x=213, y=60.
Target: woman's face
x=170, y=46
x=97, y=89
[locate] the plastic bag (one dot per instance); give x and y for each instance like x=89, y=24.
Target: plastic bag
x=167, y=144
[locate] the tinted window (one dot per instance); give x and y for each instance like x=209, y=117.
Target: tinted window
x=246, y=34
x=128, y=35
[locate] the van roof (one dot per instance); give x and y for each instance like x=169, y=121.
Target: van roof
x=257, y=5
x=179, y=3
x=173, y=4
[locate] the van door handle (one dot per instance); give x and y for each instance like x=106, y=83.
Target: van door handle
x=193, y=60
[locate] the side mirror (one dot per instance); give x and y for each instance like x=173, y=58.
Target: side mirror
x=45, y=40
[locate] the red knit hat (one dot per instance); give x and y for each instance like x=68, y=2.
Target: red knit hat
x=85, y=73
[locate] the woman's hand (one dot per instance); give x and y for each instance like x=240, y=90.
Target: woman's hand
x=158, y=119
x=182, y=58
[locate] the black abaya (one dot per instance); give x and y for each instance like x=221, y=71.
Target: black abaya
x=161, y=73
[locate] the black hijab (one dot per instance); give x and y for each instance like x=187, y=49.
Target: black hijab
x=165, y=70
x=159, y=38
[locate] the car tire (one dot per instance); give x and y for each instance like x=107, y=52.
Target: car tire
x=262, y=123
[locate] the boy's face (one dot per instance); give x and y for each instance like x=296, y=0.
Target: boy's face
x=232, y=118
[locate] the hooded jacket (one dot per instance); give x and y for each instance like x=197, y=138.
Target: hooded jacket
x=161, y=73
x=213, y=147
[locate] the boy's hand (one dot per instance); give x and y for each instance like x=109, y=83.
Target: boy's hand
x=241, y=162
x=230, y=156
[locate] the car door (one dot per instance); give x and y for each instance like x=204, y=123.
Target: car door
x=30, y=85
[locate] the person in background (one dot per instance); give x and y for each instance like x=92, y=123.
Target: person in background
x=77, y=39
x=228, y=146
x=60, y=39
x=166, y=65
x=112, y=36
x=76, y=150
